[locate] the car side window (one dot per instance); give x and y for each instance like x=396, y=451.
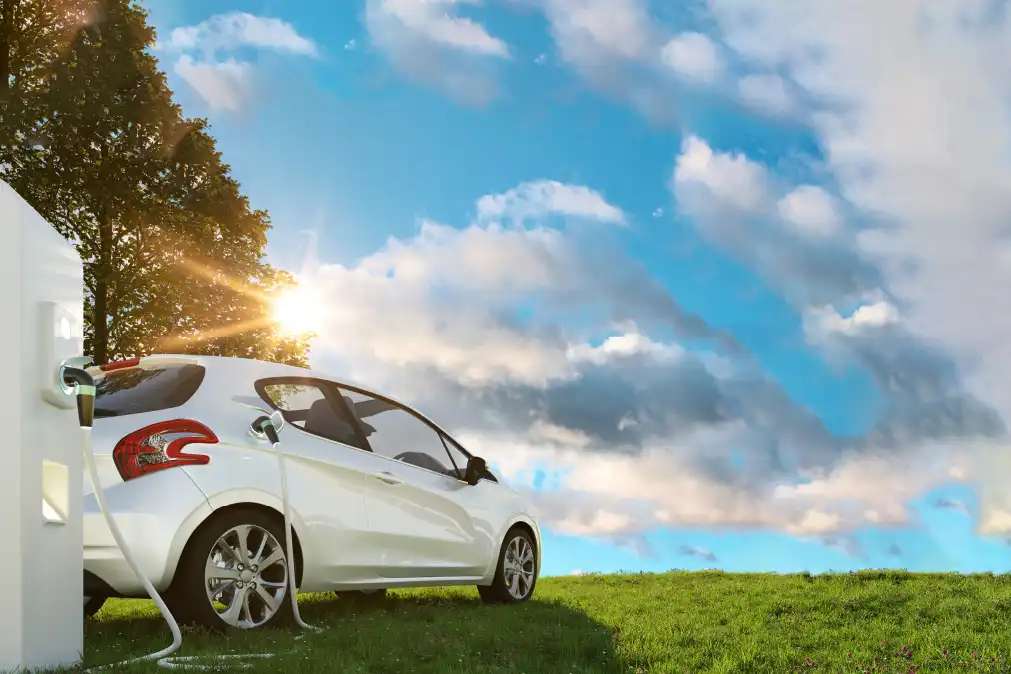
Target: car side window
x=306, y=407
x=397, y=434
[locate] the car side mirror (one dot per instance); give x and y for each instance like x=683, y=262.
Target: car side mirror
x=477, y=468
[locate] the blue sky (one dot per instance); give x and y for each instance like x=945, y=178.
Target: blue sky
x=696, y=274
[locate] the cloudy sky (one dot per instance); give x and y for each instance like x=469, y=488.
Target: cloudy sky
x=720, y=285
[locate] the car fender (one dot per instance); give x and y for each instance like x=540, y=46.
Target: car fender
x=239, y=495
x=186, y=529
x=518, y=518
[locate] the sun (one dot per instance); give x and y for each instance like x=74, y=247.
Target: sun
x=297, y=311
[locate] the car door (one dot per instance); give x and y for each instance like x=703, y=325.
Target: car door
x=423, y=517
x=328, y=476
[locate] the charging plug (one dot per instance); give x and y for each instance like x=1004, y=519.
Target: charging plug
x=264, y=426
x=84, y=390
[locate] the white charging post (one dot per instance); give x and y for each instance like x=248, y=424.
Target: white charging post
x=41, y=473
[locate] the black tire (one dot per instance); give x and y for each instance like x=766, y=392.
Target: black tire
x=92, y=605
x=499, y=590
x=188, y=597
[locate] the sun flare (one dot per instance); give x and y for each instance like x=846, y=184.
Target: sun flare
x=297, y=311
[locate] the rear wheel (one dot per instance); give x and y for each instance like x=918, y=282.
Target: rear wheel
x=234, y=574
x=516, y=575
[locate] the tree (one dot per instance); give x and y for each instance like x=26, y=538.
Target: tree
x=94, y=142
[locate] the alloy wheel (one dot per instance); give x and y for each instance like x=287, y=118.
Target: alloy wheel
x=519, y=567
x=246, y=576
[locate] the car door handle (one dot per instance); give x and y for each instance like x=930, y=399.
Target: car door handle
x=387, y=477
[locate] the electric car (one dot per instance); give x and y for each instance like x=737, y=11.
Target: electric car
x=380, y=496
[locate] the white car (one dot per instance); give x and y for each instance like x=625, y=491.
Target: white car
x=381, y=497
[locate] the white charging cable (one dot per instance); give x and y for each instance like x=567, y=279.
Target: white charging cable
x=162, y=656
x=177, y=637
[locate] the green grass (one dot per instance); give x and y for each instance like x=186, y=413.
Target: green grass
x=628, y=623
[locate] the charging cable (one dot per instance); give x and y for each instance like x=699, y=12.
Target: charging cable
x=84, y=391
x=269, y=427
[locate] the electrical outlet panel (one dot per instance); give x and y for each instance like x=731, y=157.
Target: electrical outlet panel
x=62, y=340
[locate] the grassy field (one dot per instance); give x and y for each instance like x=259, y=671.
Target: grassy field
x=630, y=623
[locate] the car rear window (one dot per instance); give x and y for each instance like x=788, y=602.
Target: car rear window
x=146, y=390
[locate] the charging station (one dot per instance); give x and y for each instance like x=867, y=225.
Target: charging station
x=41, y=471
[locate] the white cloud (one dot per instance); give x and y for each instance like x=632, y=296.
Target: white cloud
x=614, y=46
x=912, y=103
x=224, y=85
x=731, y=179
x=434, y=21
x=692, y=55
x=227, y=32
x=732, y=201
x=429, y=42
x=766, y=93
x=823, y=321
x=811, y=209
x=590, y=30
x=465, y=340
x=491, y=259
x=625, y=346
x=609, y=494
x=994, y=498
x=548, y=197
x=454, y=292
x=545, y=433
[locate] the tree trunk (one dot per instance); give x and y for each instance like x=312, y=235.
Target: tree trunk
x=103, y=271
x=100, y=343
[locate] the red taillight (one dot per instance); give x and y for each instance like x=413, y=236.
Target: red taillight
x=119, y=365
x=159, y=446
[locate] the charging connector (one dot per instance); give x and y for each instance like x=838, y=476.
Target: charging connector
x=83, y=388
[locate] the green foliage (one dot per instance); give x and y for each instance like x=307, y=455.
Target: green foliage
x=91, y=138
x=878, y=621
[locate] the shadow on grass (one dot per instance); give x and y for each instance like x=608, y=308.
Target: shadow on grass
x=433, y=631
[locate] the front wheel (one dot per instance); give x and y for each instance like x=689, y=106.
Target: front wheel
x=234, y=574
x=516, y=574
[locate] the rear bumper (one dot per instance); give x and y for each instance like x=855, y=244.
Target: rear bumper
x=156, y=515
